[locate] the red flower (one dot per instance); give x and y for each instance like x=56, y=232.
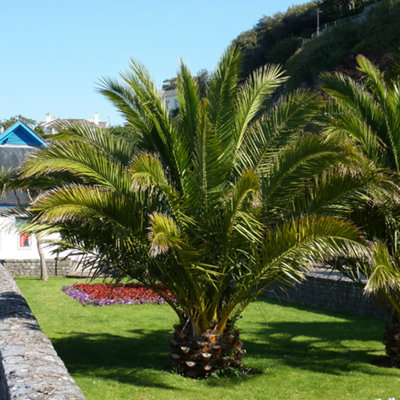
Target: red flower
x=133, y=291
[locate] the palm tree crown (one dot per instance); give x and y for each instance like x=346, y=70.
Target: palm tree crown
x=368, y=112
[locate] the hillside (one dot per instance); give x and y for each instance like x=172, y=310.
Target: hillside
x=289, y=39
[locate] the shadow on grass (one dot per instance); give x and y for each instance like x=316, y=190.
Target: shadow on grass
x=326, y=312
x=135, y=359
x=332, y=347
x=315, y=346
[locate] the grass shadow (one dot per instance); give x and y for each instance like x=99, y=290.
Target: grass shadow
x=126, y=359
x=318, y=347
x=335, y=347
x=322, y=311
x=332, y=346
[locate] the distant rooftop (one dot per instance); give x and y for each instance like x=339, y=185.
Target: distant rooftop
x=52, y=124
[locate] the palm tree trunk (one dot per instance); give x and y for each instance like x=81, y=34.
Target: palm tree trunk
x=43, y=266
x=201, y=355
x=391, y=341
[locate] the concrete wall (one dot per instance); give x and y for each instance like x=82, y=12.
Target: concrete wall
x=30, y=368
x=330, y=291
x=19, y=268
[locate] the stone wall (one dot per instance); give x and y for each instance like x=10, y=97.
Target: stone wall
x=32, y=267
x=331, y=291
x=30, y=368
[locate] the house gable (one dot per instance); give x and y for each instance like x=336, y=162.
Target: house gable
x=21, y=135
x=16, y=143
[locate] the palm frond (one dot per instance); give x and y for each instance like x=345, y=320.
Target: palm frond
x=221, y=101
x=335, y=192
x=146, y=170
x=83, y=202
x=126, y=101
x=7, y=176
x=79, y=159
x=292, y=167
x=100, y=138
x=222, y=95
x=277, y=128
x=375, y=79
x=148, y=103
x=189, y=104
x=299, y=245
x=358, y=130
x=239, y=217
x=253, y=95
x=293, y=248
x=164, y=234
x=383, y=276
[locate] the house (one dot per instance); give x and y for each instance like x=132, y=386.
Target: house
x=19, y=252
x=52, y=124
x=171, y=100
x=16, y=143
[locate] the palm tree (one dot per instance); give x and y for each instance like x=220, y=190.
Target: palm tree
x=384, y=283
x=368, y=113
x=212, y=205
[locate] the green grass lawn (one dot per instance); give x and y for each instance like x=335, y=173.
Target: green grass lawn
x=121, y=352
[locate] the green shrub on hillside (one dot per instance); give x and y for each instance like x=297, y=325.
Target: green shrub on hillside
x=287, y=39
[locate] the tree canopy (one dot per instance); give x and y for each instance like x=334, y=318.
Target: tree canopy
x=6, y=123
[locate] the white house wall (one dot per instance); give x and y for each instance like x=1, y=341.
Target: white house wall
x=9, y=243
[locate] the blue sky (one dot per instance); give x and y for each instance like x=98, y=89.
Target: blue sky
x=54, y=52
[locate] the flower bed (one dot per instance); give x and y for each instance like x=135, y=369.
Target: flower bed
x=104, y=294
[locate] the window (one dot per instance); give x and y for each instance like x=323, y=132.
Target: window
x=24, y=240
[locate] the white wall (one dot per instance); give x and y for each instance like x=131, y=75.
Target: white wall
x=9, y=243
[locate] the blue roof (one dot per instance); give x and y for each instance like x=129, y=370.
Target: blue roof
x=21, y=135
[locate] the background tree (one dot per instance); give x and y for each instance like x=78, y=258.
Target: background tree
x=337, y=8
x=367, y=113
x=170, y=84
x=288, y=38
x=6, y=123
x=211, y=205
x=123, y=131
x=202, y=80
x=275, y=39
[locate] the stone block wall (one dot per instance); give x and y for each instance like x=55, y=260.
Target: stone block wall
x=19, y=268
x=330, y=291
x=30, y=368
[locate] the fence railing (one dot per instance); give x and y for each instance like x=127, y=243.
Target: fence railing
x=351, y=19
